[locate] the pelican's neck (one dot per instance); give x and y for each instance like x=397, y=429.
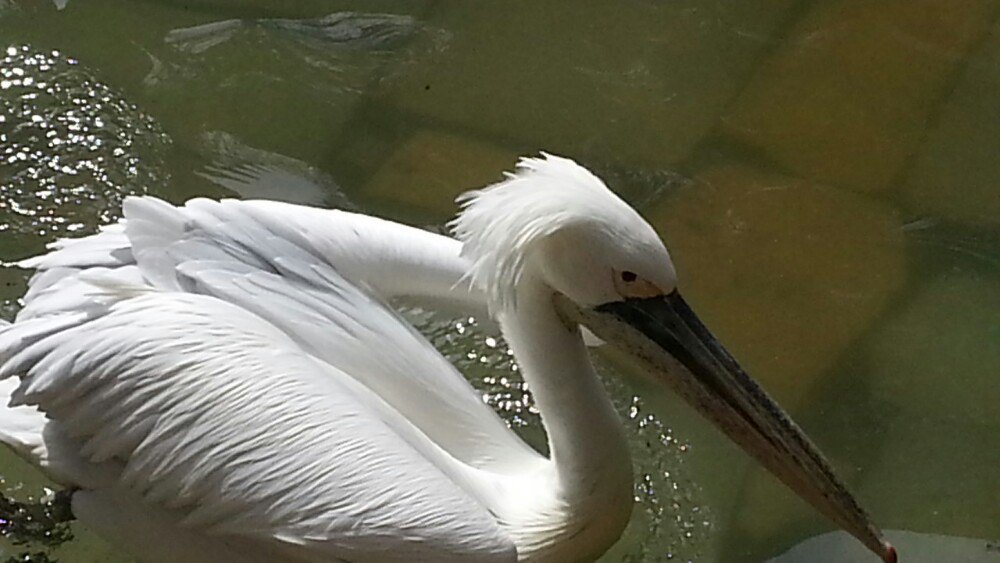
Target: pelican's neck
x=586, y=438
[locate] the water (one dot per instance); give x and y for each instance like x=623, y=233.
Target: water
x=823, y=171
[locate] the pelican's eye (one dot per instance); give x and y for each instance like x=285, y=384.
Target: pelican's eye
x=629, y=284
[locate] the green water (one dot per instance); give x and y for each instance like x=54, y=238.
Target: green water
x=825, y=174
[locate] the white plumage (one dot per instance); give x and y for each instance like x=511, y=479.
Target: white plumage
x=233, y=363
x=223, y=381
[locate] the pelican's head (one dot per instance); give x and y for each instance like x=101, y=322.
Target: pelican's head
x=552, y=222
x=554, y=219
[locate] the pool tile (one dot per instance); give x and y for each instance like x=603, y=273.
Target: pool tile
x=846, y=100
x=956, y=175
x=642, y=81
x=787, y=272
x=429, y=169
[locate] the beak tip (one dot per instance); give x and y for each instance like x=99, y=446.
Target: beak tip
x=890, y=555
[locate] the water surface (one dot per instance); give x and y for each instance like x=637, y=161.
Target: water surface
x=823, y=171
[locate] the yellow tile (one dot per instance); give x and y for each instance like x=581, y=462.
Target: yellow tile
x=787, y=273
x=425, y=174
x=957, y=173
x=846, y=100
x=640, y=81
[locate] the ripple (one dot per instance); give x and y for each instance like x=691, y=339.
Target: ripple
x=258, y=174
x=71, y=148
x=334, y=54
x=339, y=30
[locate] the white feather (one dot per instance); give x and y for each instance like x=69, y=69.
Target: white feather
x=231, y=370
x=227, y=419
x=501, y=225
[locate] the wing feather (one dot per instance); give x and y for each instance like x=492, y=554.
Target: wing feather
x=270, y=258
x=234, y=364
x=215, y=412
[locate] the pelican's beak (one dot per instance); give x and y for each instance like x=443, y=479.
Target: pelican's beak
x=666, y=335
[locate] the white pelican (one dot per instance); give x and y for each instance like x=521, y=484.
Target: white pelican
x=223, y=381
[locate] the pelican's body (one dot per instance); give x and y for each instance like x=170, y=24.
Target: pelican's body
x=223, y=381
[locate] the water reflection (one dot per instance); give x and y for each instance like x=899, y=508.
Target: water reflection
x=344, y=30
x=72, y=148
x=257, y=174
x=282, y=85
x=34, y=524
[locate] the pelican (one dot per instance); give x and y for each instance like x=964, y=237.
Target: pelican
x=224, y=381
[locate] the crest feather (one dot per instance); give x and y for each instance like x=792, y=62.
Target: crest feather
x=500, y=224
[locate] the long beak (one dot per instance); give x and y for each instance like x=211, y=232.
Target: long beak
x=665, y=334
